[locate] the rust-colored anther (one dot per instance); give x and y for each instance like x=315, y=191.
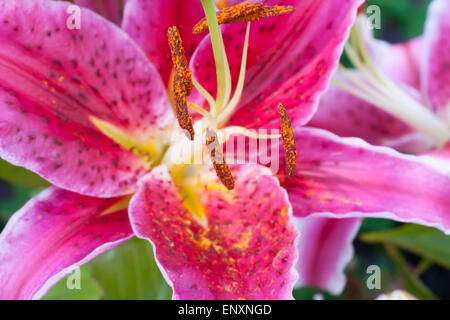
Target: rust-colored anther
x=179, y=58
x=287, y=135
x=181, y=108
x=247, y=11
x=182, y=82
x=222, y=170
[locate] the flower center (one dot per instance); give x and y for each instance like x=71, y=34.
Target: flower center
x=222, y=107
x=373, y=86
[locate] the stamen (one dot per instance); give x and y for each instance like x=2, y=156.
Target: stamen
x=288, y=140
x=222, y=170
x=247, y=11
x=231, y=106
x=179, y=90
x=182, y=82
x=179, y=58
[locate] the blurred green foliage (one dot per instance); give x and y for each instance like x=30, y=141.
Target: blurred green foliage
x=400, y=19
x=128, y=272
x=426, y=242
x=20, y=176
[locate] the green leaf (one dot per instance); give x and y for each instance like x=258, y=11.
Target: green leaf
x=21, y=176
x=15, y=199
x=89, y=288
x=426, y=242
x=130, y=272
x=412, y=282
x=401, y=18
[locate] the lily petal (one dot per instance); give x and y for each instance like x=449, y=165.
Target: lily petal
x=53, y=80
x=290, y=60
x=52, y=235
x=401, y=62
x=325, y=249
x=108, y=8
x=436, y=67
x=245, y=249
x=346, y=177
x=147, y=23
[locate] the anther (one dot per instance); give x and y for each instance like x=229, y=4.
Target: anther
x=179, y=58
x=181, y=106
x=287, y=134
x=182, y=83
x=247, y=11
x=222, y=170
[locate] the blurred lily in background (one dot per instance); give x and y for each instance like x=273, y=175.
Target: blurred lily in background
x=398, y=94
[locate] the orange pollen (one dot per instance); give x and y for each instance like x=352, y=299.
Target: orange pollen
x=222, y=170
x=182, y=83
x=244, y=12
x=287, y=135
x=222, y=4
x=181, y=108
x=179, y=58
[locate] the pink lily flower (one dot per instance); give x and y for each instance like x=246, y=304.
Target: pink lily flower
x=411, y=76
x=82, y=107
x=404, y=103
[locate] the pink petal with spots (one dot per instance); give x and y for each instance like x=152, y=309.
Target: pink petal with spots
x=52, y=235
x=147, y=23
x=325, y=249
x=247, y=250
x=52, y=79
x=346, y=177
x=290, y=59
x=436, y=68
x=108, y=8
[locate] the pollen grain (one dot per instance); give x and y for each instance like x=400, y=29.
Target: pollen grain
x=243, y=12
x=287, y=135
x=222, y=170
